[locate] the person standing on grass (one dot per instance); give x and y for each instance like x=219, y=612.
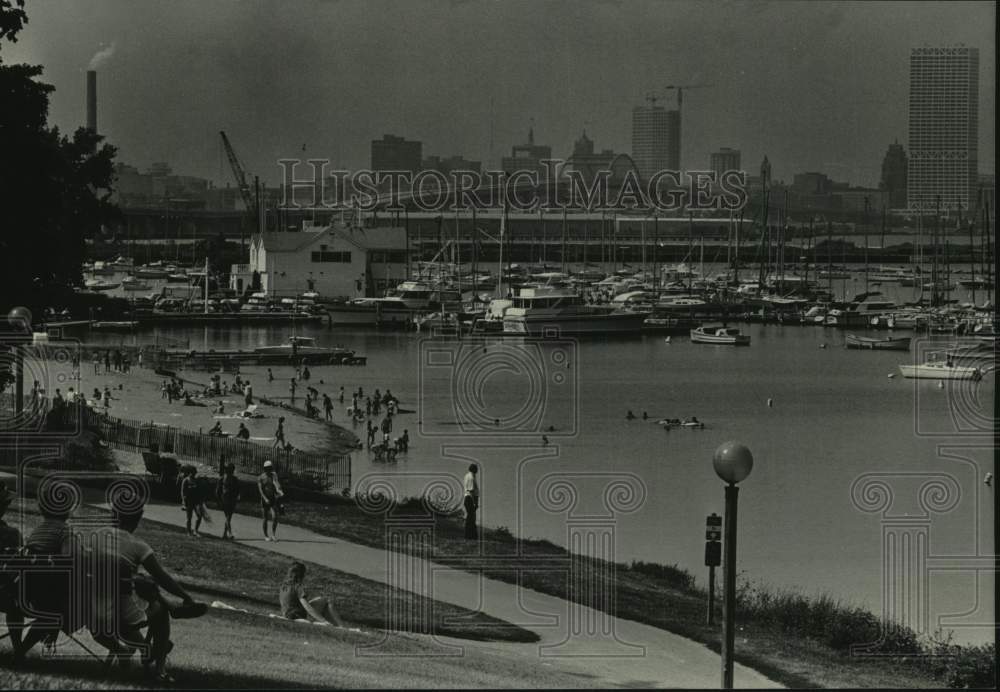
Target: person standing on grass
x=270, y=499
x=107, y=362
x=227, y=491
x=328, y=406
x=190, y=499
x=471, y=501
x=248, y=394
x=270, y=375
x=291, y=388
x=341, y=395
x=297, y=605
x=279, y=434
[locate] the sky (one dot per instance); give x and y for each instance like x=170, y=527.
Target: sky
x=813, y=85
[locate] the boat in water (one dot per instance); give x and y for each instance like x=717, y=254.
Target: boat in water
x=410, y=299
x=133, y=283
x=728, y=336
x=878, y=344
x=98, y=285
x=940, y=370
x=302, y=349
x=538, y=309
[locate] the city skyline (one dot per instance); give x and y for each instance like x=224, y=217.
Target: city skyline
x=828, y=92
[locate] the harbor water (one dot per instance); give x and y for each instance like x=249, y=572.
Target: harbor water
x=847, y=458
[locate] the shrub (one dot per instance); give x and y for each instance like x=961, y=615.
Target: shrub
x=673, y=575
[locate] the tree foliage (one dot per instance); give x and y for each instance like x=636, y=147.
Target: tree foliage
x=54, y=188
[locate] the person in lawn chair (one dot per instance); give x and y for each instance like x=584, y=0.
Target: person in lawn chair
x=47, y=592
x=137, y=604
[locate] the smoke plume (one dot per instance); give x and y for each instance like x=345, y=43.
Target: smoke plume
x=101, y=57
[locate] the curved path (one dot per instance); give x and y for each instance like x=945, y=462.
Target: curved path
x=574, y=639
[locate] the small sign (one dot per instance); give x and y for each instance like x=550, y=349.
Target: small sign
x=713, y=527
x=713, y=554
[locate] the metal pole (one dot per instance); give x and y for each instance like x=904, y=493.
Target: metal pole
x=729, y=586
x=711, y=595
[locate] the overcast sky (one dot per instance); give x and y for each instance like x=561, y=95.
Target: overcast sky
x=814, y=85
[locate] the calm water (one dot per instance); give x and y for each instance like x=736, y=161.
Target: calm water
x=836, y=415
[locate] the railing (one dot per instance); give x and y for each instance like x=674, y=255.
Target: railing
x=296, y=468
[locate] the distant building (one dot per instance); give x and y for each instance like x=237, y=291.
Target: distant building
x=944, y=128
x=586, y=161
x=650, y=139
x=159, y=169
x=674, y=140
x=526, y=157
x=336, y=261
x=159, y=185
x=725, y=159
x=452, y=163
x=893, y=182
x=393, y=153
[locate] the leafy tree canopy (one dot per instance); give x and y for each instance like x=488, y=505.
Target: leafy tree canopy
x=54, y=188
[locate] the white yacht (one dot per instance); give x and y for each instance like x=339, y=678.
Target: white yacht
x=409, y=299
x=540, y=308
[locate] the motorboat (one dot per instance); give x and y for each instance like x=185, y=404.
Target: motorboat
x=878, y=344
x=302, y=349
x=178, y=278
x=148, y=272
x=114, y=325
x=860, y=312
x=409, y=299
x=940, y=370
x=132, y=283
x=538, y=309
x=730, y=336
x=98, y=285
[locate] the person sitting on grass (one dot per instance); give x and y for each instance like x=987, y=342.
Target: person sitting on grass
x=137, y=603
x=243, y=433
x=216, y=430
x=296, y=603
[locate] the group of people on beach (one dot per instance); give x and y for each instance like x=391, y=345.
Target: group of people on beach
x=114, y=361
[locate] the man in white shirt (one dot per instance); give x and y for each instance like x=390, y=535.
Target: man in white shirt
x=471, y=501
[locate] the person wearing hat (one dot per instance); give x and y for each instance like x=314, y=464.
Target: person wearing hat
x=227, y=491
x=270, y=499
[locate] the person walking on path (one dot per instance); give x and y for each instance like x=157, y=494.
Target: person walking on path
x=471, y=501
x=296, y=603
x=279, y=434
x=191, y=499
x=270, y=499
x=227, y=492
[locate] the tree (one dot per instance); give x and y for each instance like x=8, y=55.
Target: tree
x=54, y=189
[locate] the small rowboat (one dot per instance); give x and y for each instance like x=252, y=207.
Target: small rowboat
x=882, y=344
x=719, y=335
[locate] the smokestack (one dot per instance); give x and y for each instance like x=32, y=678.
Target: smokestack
x=92, y=100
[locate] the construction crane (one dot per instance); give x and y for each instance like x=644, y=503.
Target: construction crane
x=238, y=172
x=680, y=90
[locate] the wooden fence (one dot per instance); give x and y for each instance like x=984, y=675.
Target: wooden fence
x=295, y=468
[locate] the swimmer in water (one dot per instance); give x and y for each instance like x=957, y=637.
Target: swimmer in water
x=545, y=440
x=630, y=415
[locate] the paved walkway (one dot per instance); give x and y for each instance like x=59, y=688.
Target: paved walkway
x=574, y=639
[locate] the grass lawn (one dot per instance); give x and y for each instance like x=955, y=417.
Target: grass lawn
x=246, y=577
x=664, y=597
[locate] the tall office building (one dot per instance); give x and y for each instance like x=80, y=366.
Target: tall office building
x=944, y=128
x=674, y=140
x=393, y=153
x=725, y=159
x=893, y=182
x=649, y=138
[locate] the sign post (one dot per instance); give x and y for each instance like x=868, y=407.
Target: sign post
x=713, y=558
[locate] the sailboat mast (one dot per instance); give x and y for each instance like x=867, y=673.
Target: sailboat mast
x=865, y=224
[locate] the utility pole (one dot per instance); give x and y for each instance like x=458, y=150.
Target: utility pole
x=865, y=223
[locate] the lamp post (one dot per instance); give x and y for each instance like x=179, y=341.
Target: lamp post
x=20, y=319
x=733, y=463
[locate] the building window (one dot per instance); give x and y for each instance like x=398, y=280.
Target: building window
x=325, y=256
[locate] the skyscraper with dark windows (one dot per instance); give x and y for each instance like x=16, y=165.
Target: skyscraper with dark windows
x=944, y=128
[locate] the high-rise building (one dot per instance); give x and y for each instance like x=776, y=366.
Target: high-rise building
x=393, y=153
x=893, y=183
x=725, y=159
x=944, y=128
x=526, y=157
x=674, y=140
x=649, y=139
